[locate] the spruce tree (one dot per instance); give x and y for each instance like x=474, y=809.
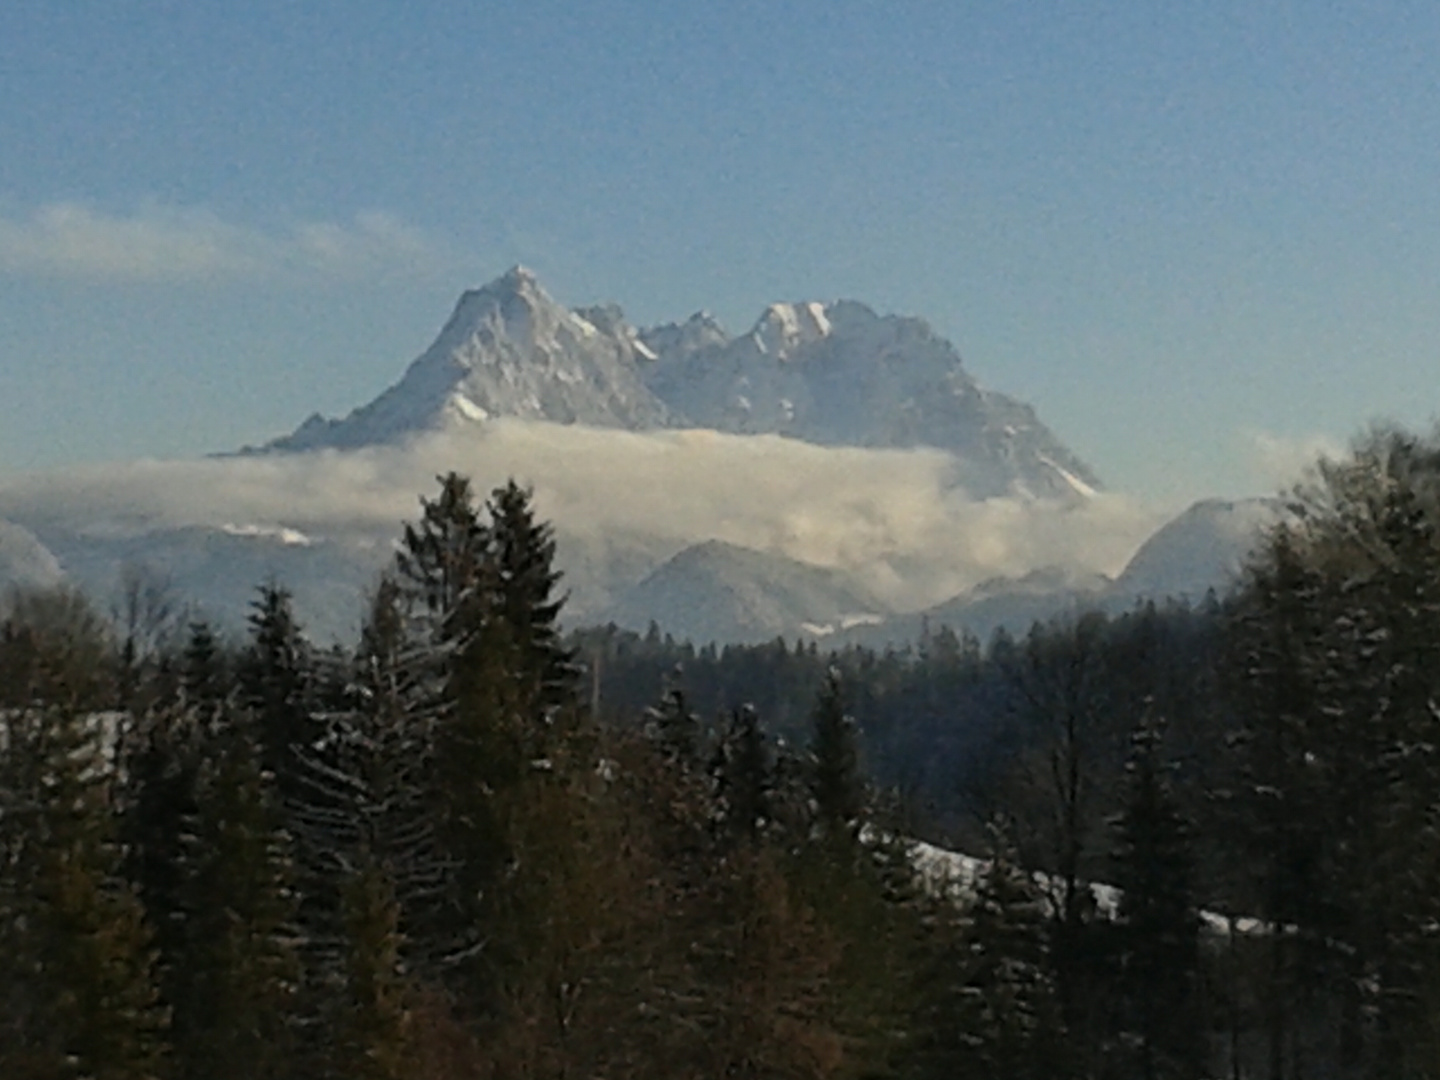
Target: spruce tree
x=238, y=978
x=276, y=680
x=204, y=677
x=989, y=1007
x=77, y=970
x=525, y=601
x=674, y=728
x=1159, y=920
x=442, y=555
x=372, y=1016
x=160, y=755
x=835, y=782
x=743, y=777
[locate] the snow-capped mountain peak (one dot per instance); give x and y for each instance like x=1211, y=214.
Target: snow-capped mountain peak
x=785, y=328
x=508, y=349
x=835, y=374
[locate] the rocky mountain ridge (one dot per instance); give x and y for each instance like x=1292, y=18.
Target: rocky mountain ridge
x=833, y=374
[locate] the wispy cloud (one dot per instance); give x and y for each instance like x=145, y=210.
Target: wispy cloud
x=168, y=244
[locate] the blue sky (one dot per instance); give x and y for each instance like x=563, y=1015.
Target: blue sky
x=1200, y=239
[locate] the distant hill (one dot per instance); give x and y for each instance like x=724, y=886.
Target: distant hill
x=723, y=593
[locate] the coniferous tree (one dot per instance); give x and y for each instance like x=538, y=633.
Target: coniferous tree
x=387, y=745
x=487, y=586
x=76, y=964
x=743, y=777
x=276, y=680
x=204, y=677
x=989, y=1006
x=835, y=782
x=441, y=557
x=373, y=1036
x=1158, y=946
x=674, y=728
x=159, y=757
x=525, y=602
x=238, y=977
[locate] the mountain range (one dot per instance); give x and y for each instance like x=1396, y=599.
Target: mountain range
x=833, y=374
x=888, y=435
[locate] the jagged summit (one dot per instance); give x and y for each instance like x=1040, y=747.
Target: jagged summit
x=839, y=374
x=508, y=349
x=835, y=374
x=675, y=340
x=784, y=329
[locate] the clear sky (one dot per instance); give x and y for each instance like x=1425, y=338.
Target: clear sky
x=1194, y=236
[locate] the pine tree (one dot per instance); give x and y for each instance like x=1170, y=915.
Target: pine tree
x=76, y=965
x=276, y=680
x=674, y=728
x=1159, y=953
x=442, y=555
x=989, y=1006
x=238, y=977
x=160, y=754
x=383, y=748
x=203, y=672
x=835, y=782
x=524, y=602
x=743, y=777
x=373, y=1015
x=488, y=586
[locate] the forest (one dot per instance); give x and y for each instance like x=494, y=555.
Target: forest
x=1203, y=838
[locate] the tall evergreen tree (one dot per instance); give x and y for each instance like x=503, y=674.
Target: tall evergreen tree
x=276, y=680
x=443, y=554
x=373, y=1013
x=238, y=977
x=76, y=964
x=835, y=782
x=743, y=776
x=989, y=1007
x=674, y=728
x=525, y=602
x=1158, y=935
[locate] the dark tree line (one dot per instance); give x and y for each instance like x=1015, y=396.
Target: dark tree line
x=470, y=846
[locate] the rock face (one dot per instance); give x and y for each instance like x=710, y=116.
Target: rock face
x=841, y=375
x=508, y=350
x=832, y=374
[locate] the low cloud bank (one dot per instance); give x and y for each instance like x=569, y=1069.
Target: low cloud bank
x=623, y=501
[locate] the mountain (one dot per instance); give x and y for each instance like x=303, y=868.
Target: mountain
x=1014, y=603
x=721, y=592
x=217, y=571
x=507, y=350
x=1203, y=548
x=24, y=561
x=833, y=374
x=841, y=375
x=572, y=386
x=1018, y=603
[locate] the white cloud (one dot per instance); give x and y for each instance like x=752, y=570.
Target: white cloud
x=184, y=244
x=1278, y=462
x=623, y=501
